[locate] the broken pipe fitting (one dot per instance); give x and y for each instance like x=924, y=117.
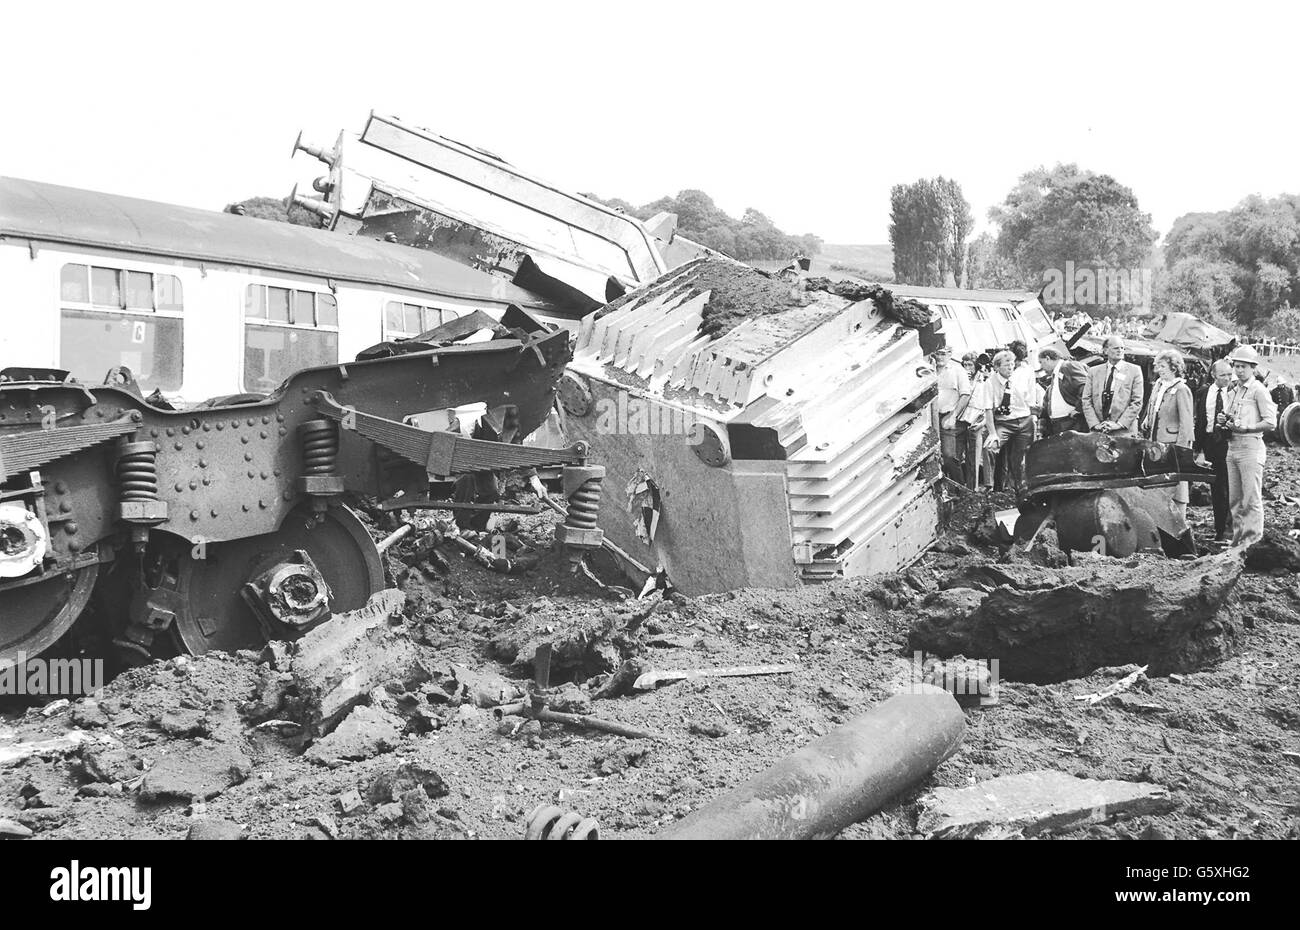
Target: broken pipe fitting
x=840, y=778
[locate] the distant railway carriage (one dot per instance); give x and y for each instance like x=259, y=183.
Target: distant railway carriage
x=202, y=304
x=983, y=320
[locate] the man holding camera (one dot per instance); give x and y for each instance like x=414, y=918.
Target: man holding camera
x=1115, y=391
x=1010, y=397
x=1248, y=412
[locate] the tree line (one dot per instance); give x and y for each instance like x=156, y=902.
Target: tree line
x=753, y=237
x=1238, y=269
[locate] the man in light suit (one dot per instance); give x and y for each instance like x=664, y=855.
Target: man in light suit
x=1115, y=392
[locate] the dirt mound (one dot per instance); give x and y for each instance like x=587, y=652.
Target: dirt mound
x=906, y=311
x=1051, y=624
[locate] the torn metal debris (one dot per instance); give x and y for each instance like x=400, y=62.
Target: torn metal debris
x=794, y=441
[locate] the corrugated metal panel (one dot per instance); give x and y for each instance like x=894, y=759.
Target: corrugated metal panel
x=846, y=390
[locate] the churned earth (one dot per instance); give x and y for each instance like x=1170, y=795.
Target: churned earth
x=211, y=746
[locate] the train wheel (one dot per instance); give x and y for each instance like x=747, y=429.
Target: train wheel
x=34, y=616
x=1288, y=425
x=215, y=614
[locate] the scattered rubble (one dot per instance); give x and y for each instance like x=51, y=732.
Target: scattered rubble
x=195, y=770
x=1276, y=551
x=365, y=732
x=228, y=740
x=1034, y=803
x=339, y=663
x=215, y=830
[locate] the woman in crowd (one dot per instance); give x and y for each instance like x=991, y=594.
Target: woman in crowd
x=1169, y=416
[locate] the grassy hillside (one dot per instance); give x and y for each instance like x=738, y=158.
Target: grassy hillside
x=874, y=263
x=877, y=261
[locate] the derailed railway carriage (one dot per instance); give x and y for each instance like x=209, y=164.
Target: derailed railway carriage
x=199, y=304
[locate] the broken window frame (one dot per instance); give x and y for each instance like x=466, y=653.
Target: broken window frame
x=430, y=315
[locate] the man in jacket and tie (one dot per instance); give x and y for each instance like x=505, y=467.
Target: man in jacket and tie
x=1212, y=442
x=1062, y=393
x=1115, y=392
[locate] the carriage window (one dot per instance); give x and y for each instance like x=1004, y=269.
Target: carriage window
x=402, y=320
x=273, y=353
x=978, y=311
x=105, y=289
x=303, y=306
x=167, y=293
x=1038, y=321
x=277, y=304
x=73, y=284
x=93, y=342
x=285, y=331
x=139, y=290
x=110, y=318
x=255, y=303
x=327, y=310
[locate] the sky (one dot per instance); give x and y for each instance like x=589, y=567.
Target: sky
x=807, y=111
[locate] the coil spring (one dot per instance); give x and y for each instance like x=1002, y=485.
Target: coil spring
x=137, y=471
x=548, y=822
x=584, y=505
x=320, y=447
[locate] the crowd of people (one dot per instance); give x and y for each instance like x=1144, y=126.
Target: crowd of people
x=991, y=411
x=1104, y=325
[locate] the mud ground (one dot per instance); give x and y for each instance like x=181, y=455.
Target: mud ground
x=175, y=746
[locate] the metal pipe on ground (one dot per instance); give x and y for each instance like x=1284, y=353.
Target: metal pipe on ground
x=838, y=779
x=392, y=538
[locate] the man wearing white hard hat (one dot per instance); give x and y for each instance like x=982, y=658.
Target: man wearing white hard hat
x=1247, y=412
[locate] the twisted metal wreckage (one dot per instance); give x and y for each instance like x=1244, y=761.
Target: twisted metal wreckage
x=759, y=430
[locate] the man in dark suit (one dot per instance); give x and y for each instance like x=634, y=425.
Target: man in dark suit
x=1212, y=443
x=1062, y=393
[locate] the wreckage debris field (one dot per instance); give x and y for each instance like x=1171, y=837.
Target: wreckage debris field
x=240, y=745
